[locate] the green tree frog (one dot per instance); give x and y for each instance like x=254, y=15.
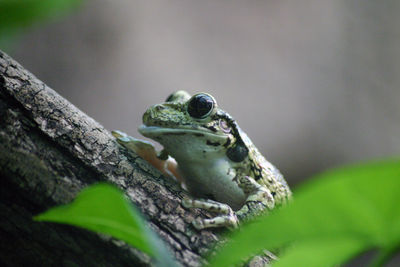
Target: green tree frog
x=212, y=158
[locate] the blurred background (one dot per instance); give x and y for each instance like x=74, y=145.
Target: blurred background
x=315, y=84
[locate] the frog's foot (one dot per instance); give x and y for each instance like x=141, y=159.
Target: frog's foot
x=134, y=144
x=159, y=160
x=227, y=219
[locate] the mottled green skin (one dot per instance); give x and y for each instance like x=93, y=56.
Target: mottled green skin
x=217, y=160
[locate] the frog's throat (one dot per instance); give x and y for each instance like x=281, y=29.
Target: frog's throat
x=152, y=131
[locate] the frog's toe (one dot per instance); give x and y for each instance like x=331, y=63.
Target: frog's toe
x=198, y=224
x=122, y=138
x=187, y=202
x=207, y=204
x=229, y=221
x=118, y=134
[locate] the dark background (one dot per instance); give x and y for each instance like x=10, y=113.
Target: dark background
x=315, y=84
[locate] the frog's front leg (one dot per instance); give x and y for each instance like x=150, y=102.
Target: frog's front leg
x=227, y=219
x=259, y=199
x=160, y=160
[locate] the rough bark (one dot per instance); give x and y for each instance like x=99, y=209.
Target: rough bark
x=49, y=151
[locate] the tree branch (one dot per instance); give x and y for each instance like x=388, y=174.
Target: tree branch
x=49, y=151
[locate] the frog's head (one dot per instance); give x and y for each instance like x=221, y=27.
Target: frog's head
x=194, y=128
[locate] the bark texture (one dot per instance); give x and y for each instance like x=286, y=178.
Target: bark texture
x=49, y=151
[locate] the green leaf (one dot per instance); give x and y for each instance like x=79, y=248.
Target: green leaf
x=321, y=252
x=104, y=209
x=336, y=215
x=15, y=14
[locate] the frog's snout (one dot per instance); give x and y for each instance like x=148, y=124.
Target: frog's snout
x=146, y=116
x=152, y=113
x=159, y=107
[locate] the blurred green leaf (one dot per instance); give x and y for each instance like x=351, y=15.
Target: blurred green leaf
x=103, y=208
x=16, y=14
x=321, y=252
x=337, y=215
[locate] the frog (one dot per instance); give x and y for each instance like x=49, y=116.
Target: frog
x=214, y=160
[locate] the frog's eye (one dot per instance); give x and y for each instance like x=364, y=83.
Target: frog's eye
x=178, y=96
x=201, y=105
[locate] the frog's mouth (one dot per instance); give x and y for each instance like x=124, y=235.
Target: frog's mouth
x=154, y=131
